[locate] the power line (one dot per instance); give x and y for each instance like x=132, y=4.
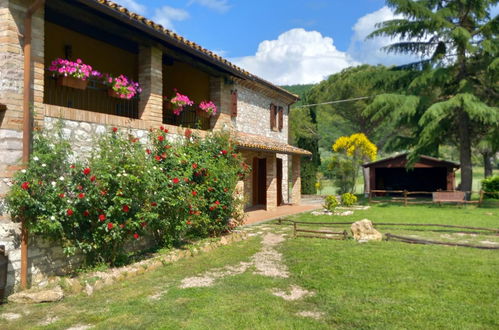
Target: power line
x=333, y=102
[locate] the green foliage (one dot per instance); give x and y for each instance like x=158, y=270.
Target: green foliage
x=491, y=187
x=303, y=134
x=299, y=90
x=123, y=191
x=453, y=95
x=331, y=203
x=342, y=170
x=346, y=118
x=308, y=177
x=352, y=151
x=348, y=199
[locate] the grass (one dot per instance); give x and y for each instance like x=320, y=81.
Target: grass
x=388, y=285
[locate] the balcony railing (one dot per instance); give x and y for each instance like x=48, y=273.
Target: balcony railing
x=94, y=98
x=190, y=117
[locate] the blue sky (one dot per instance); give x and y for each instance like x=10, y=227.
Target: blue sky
x=283, y=41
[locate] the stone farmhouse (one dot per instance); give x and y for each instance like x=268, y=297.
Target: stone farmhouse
x=112, y=39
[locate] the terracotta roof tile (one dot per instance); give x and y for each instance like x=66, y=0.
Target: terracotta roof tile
x=262, y=143
x=188, y=43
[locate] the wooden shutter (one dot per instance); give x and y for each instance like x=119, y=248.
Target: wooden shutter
x=273, y=113
x=233, y=110
x=281, y=118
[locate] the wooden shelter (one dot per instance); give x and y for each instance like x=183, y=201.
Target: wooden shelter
x=428, y=174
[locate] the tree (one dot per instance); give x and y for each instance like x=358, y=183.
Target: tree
x=352, y=151
x=358, y=84
x=488, y=147
x=303, y=134
x=457, y=42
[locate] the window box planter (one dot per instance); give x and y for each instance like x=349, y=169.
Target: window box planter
x=112, y=93
x=202, y=114
x=72, y=82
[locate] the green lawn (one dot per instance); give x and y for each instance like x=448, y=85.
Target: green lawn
x=379, y=285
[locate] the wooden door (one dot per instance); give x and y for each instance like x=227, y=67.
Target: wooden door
x=262, y=181
x=259, y=181
x=279, y=182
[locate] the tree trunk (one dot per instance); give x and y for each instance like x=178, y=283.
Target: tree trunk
x=465, y=151
x=487, y=163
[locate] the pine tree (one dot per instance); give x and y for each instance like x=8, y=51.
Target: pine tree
x=454, y=96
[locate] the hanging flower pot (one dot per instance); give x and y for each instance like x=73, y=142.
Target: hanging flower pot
x=121, y=87
x=72, y=82
x=72, y=74
x=207, y=109
x=112, y=93
x=179, y=102
x=202, y=114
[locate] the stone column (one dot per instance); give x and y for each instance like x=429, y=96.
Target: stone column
x=220, y=95
x=271, y=182
x=12, y=14
x=296, y=180
x=151, y=81
x=38, y=66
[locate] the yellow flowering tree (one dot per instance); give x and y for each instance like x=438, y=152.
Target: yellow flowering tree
x=351, y=151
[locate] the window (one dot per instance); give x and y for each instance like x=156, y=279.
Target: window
x=276, y=118
x=281, y=118
x=233, y=105
x=273, y=117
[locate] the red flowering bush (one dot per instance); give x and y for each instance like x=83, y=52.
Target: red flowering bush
x=125, y=190
x=206, y=173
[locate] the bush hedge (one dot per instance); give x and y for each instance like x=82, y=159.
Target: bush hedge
x=123, y=190
x=491, y=187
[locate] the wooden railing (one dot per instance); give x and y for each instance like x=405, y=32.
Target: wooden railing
x=404, y=196
x=190, y=117
x=94, y=98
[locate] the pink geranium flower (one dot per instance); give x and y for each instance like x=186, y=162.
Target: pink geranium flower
x=179, y=101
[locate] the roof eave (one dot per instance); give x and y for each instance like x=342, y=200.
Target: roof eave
x=103, y=8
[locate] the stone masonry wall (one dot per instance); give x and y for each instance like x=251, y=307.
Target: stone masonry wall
x=253, y=114
x=12, y=14
x=254, y=117
x=247, y=185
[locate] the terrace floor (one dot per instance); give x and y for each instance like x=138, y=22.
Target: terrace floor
x=256, y=215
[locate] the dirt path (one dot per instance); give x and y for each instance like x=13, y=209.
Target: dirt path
x=268, y=262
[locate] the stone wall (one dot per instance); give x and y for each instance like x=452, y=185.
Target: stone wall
x=82, y=134
x=247, y=185
x=253, y=114
x=46, y=258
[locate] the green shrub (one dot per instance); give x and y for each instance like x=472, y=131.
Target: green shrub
x=308, y=177
x=124, y=190
x=342, y=170
x=348, y=199
x=331, y=203
x=491, y=187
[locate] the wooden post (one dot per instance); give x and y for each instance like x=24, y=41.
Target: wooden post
x=405, y=197
x=481, y=198
x=27, y=126
x=294, y=229
x=370, y=196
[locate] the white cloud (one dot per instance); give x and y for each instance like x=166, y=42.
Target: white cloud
x=167, y=15
x=220, y=52
x=133, y=6
x=296, y=57
x=221, y=6
x=369, y=51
